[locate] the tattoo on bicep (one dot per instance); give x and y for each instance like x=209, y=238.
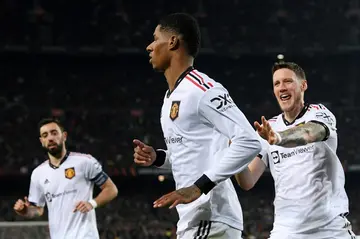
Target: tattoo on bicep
x=302, y=135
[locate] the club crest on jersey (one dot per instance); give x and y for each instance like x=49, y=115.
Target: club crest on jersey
x=174, y=110
x=70, y=173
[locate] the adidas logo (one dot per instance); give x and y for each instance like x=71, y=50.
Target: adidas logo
x=46, y=181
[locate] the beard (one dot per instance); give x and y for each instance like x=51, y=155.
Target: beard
x=56, y=151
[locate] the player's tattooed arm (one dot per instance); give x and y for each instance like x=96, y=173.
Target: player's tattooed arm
x=33, y=212
x=302, y=135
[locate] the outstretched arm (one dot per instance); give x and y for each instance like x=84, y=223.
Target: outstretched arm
x=312, y=131
x=301, y=135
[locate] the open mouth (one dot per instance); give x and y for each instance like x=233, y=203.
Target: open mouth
x=285, y=97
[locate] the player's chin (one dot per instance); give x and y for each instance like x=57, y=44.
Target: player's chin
x=157, y=67
x=286, y=106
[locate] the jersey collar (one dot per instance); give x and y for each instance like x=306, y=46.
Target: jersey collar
x=181, y=77
x=301, y=114
x=63, y=160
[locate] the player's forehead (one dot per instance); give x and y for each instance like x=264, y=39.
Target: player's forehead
x=49, y=127
x=157, y=31
x=161, y=33
x=284, y=73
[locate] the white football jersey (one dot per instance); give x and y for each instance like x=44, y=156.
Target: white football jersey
x=198, y=119
x=309, y=180
x=60, y=188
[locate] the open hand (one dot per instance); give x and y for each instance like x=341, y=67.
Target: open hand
x=83, y=207
x=265, y=131
x=180, y=196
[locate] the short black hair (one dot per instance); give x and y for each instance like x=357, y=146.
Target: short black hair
x=45, y=121
x=299, y=72
x=185, y=25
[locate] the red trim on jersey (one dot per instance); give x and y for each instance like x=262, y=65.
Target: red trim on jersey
x=195, y=83
x=202, y=79
x=315, y=106
x=198, y=75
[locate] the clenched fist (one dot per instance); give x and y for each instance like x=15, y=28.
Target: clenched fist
x=21, y=206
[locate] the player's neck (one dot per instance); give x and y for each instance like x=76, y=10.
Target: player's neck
x=56, y=160
x=177, y=66
x=291, y=115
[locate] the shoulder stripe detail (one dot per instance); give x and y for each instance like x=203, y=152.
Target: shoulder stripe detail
x=196, y=75
x=195, y=83
x=200, y=81
x=80, y=154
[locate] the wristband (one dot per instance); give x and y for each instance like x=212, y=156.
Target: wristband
x=205, y=184
x=279, y=139
x=93, y=203
x=160, y=158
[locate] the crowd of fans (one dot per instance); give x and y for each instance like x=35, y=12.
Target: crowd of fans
x=131, y=215
x=106, y=101
x=245, y=25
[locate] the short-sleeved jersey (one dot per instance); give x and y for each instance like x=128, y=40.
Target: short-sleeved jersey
x=60, y=188
x=309, y=180
x=198, y=119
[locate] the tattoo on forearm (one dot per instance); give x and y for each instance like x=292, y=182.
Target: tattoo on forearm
x=302, y=135
x=33, y=212
x=188, y=192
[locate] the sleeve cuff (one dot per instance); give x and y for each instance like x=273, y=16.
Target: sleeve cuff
x=160, y=158
x=326, y=129
x=205, y=184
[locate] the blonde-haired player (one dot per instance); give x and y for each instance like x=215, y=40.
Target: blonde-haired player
x=300, y=150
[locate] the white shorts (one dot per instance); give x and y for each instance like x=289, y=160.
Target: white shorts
x=339, y=228
x=211, y=230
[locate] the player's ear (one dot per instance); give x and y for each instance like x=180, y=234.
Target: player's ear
x=65, y=134
x=304, y=85
x=174, y=42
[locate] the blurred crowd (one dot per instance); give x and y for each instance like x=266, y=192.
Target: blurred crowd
x=131, y=215
x=106, y=102
x=244, y=25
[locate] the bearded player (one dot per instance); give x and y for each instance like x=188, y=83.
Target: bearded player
x=65, y=184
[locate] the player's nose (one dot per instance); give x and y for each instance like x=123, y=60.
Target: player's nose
x=149, y=48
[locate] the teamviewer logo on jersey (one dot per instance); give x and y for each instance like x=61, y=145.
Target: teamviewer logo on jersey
x=48, y=197
x=276, y=156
